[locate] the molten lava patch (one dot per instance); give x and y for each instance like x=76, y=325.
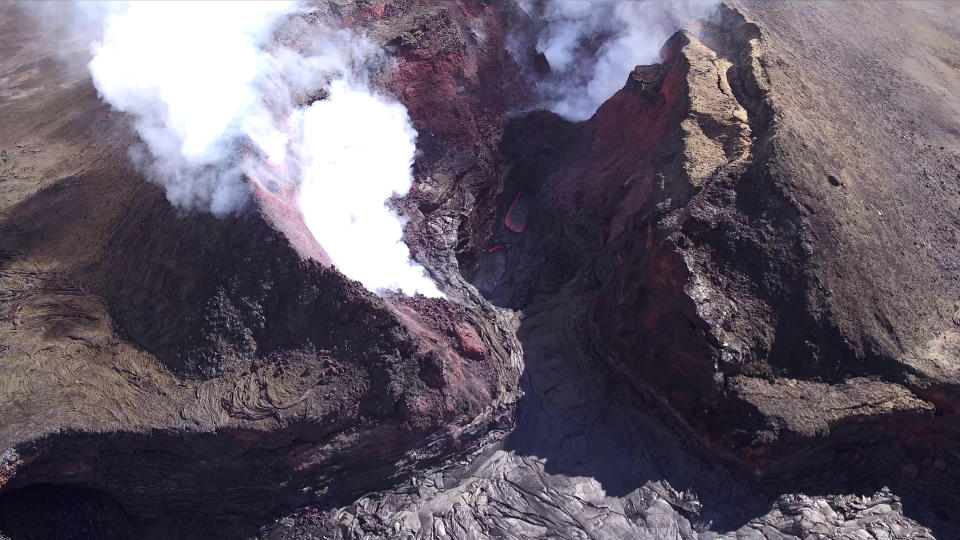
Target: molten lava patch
x=517, y=215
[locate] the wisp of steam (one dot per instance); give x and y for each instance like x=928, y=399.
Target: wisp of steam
x=592, y=45
x=220, y=101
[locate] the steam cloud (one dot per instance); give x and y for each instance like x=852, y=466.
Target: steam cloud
x=220, y=101
x=592, y=46
x=219, y=98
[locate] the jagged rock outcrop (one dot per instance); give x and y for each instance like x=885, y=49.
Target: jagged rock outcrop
x=680, y=217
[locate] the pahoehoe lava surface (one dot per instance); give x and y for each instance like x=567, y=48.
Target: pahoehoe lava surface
x=725, y=306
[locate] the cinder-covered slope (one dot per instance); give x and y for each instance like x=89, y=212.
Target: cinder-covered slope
x=863, y=145
x=199, y=374
x=866, y=148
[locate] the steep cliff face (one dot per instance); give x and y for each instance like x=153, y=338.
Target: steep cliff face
x=730, y=286
x=685, y=218
x=660, y=215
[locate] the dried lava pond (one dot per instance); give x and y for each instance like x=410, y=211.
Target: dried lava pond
x=477, y=269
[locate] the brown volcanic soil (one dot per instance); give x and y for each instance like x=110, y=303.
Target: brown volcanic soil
x=736, y=282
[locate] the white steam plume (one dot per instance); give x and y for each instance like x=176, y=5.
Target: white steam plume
x=592, y=46
x=365, y=160
x=219, y=101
